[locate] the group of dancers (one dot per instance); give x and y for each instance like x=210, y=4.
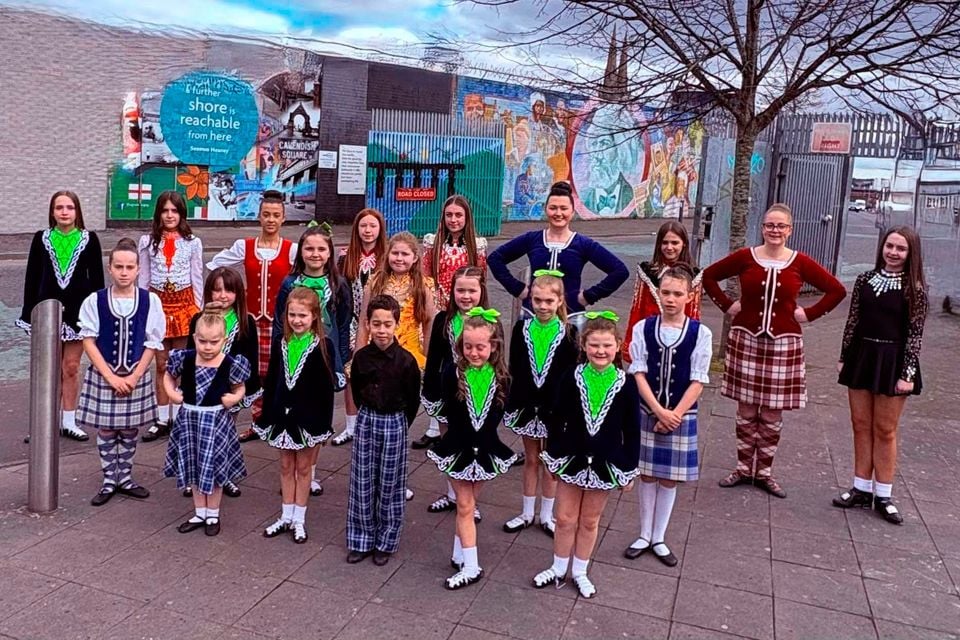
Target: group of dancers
x=394, y=327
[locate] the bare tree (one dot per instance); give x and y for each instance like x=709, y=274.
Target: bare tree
x=751, y=60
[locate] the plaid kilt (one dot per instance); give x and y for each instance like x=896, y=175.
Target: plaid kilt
x=765, y=371
x=264, y=338
x=101, y=408
x=669, y=456
x=203, y=450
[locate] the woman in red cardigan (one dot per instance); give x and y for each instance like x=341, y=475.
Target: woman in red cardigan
x=763, y=366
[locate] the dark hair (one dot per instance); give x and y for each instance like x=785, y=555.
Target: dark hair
x=679, y=271
x=52, y=222
x=914, y=283
x=333, y=273
x=383, y=302
x=561, y=189
x=469, y=234
x=469, y=272
x=674, y=227
x=351, y=261
x=498, y=358
x=271, y=196
x=311, y=300
x=231, y=282
x=124, y=244
x=596, y=325
x=183, y=228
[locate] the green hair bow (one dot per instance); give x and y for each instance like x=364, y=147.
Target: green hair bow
x=490, y=315
x=606, y=315
x=548, y=272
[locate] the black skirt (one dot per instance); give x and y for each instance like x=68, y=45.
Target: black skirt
x=875, y=366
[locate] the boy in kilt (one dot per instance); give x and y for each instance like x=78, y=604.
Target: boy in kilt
x=121, y=326
x=386, y=386
x=670, y=360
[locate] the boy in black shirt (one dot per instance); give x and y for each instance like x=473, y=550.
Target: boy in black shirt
x=386, y=387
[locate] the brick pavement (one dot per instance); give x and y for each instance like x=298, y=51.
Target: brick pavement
x=751, y=566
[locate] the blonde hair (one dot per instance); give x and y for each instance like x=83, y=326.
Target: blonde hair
x=211, y=318
x=418, y=286
x=782, y=208
x=555, y=286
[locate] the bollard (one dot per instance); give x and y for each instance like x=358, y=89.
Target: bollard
x=44, y=472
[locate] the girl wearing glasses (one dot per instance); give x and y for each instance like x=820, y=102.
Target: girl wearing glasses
x=763, y=365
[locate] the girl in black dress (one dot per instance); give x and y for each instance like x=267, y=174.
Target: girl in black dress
x=224, y=290
x=65, y=264
x=473, y=392
x=593, y=447
x=880, y=365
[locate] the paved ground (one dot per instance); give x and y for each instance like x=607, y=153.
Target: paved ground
x=751, y=566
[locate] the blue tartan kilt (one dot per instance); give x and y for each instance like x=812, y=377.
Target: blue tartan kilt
x=669, y=456
x=203, y=450
x=100, y=407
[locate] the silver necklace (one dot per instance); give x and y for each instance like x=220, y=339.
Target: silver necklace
x=883, y=281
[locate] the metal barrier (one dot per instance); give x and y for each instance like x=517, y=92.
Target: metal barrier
x=43, y=482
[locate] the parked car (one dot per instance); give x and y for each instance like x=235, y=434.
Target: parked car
x=857, y=205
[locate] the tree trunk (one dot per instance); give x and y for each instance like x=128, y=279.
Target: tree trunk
x=739, y=211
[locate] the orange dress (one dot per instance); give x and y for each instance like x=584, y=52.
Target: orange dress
x=409, y=331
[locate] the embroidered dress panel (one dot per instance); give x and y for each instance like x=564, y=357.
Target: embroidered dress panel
x=295, y=352
x=542, y=341
x=482, y=388
x=597, y=390
x=230, y=319
x=64, y=264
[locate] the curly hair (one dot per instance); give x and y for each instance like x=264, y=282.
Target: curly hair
x=498, y=358
x=418, y=286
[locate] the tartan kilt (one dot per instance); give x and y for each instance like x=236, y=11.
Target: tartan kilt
x=765, y=371
x=264, y=341
x=669, y=456
x=203, y=450
x=101, y=408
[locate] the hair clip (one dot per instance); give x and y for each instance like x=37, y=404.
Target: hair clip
x=490, y=315
x=606, y=315
x=548, y=272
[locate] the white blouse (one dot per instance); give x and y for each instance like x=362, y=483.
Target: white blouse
x=185, y=270
x=237, y=253
x=699, y=361
x=156, y=321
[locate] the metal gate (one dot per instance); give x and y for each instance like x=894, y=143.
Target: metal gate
x=815, y=188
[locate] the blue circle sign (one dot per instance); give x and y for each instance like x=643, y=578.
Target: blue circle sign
x=209, y=119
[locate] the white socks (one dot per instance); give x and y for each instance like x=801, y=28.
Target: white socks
x=433, y=429
x=457, y=550
x=287, y=514
x=299, y=514
x=471, y=565
x=69, y=419
x=648, y=503
x=529, y=502
x=213, y=514
x=665, y=500
x=560, y=565
x=164, y=413
x=313, y=474
x=174, y=410
x=861, y=484
x=579, y=567
x=199, y=514
x=351, y=425
x=883, y=490
x=546, y=509
x=451, y=494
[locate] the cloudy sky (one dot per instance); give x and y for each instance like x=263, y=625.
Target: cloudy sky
x=354, y=27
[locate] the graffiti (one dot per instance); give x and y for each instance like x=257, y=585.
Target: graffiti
x=283, y=156
x=618, y=166
x=757, y=163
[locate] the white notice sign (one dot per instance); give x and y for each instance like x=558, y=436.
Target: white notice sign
x=352, y=172
x=327, y=159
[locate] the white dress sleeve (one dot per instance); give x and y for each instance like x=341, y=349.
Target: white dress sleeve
x=143, y=249
x=702, y=355
x=89, y=318
x=638, y=350
x=156, y=328
x=196, y=270
x=229, y=257
x=293, y=253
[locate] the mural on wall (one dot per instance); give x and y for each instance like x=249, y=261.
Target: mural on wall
x=615, y=171
x=225, y=168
